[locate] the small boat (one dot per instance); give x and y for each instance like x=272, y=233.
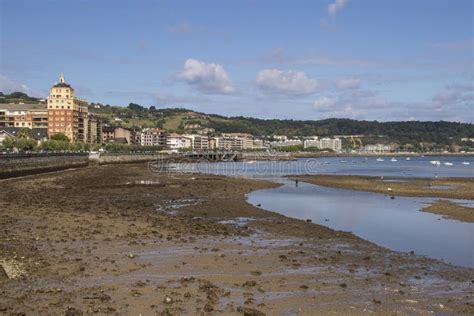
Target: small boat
x=435, y=162
x=251, y=161
x=408, y=158
x=448, y=163
x=379, y=159
x=393, y=159
x=466, y=163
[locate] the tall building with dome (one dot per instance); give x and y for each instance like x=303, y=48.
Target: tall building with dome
x=67, y=113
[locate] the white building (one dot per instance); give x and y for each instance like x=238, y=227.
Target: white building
x=235, y=141
x=378, y=148
x=198, y=142
x=281, y=138
x=176, y=141
x=334, y=144
x=287, y=143
x=152, y=137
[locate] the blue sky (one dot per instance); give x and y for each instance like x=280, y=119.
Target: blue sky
x=375, y=60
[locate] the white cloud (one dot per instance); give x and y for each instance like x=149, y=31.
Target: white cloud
x=286, y=82
x=182, y=28
x=8, y=86
x=348, y=83
x=207, y=78
x=323, y=103
x=336, y=6
x=453, y=103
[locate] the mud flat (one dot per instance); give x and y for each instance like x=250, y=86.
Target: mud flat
x=121, y=239
x=451, y=210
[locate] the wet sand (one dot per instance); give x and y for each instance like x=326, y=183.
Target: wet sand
x=451, y=210
x=120, y=239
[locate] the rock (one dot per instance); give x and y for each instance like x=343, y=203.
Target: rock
x=304, y=287
x=72, y=311
x=256, y=272
x=251, y=283
x=376, y=301
x=168, y=300
x=208, y=308
x=343, y=285
x=131, y=256
x=249, y=311
x=309, y=221
x=3, y=274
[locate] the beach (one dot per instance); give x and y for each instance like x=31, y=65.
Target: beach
x=124, y=239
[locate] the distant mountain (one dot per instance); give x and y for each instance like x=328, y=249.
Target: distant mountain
x=18, y=97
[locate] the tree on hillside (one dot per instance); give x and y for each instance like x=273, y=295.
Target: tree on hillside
x=136, y=107
x=18, y=95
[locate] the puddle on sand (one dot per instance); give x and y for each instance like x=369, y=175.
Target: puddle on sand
x=144, y=182
x=170, y=206
x=395, y=181
x=239, y=221
x=440, y=187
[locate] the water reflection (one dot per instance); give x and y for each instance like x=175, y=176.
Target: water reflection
x=396, y=224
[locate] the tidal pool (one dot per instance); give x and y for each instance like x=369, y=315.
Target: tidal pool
x=396, y=224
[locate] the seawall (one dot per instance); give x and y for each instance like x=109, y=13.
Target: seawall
x=27, y=164
x=110, y=158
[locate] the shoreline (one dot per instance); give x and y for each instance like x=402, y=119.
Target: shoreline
x=442, y=188
x=381, y=154
x=126, y=240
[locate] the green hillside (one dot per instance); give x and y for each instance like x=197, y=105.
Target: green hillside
x=410, y=135
x=18, y=97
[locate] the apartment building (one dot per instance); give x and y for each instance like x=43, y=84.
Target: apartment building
x=334, y=144
x=152, y=137
x=287, y=143
x=199, y=142
x=67, y=113
x=235, y=141
x=331, y=143
x=24, y=115
x=378, y=148
x=175, y=141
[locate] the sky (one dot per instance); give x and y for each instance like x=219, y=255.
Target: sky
x=385, y=60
